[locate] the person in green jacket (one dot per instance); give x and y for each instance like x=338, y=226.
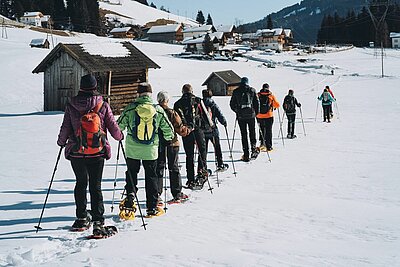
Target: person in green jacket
x=144, y=121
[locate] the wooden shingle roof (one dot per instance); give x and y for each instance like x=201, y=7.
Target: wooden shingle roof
x=135, y=59
x=228, y=76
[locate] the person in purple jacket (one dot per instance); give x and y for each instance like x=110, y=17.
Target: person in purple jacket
x=87, y=163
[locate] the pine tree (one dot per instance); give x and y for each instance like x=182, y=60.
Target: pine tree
x=200, y=17
x=60, y=16
x=209, y=20
x=270, y=24
x=153, y=5
x=208, y=46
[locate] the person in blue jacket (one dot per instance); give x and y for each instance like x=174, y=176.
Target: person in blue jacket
x=327, y=100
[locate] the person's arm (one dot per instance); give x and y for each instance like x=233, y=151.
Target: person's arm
x=179, y=127
x=233, y=103
x=256, y=102
x=275, y=102
x=165, y=125
x=296, y=102
x=218, y=114
x=66, y=127
x=111, y=124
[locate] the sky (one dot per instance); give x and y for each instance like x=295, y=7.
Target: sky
x=225, y=11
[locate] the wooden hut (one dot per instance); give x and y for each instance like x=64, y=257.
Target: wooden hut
x=171, y=33
x=40, y=43
x=118, y=67
x=222, y=83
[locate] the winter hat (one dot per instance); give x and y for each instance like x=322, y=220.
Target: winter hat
x=88, y=83
x=144, y=88
x=162, y=97
x=206, y=93
x=265, y=86
x=244, y=80
x=291, y=92
x=187, y=88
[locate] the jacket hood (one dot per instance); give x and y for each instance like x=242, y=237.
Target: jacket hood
x=84, y=102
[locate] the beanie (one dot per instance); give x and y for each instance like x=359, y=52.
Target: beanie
x=265, y=86
x=244, y=80
x=206, y=93
x=88, y=83
x=187, y=88
x=144, y=88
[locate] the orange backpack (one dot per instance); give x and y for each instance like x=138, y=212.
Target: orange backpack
x=90, y=136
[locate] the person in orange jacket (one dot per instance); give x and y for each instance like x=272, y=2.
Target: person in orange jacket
x=265, y=117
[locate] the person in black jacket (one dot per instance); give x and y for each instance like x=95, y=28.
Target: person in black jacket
x=212, y=134
x=189, y=108
x=244, y=103
x=289, y=105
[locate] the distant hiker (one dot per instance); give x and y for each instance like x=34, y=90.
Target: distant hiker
x=265, y=118
x=83, y=132
x=244, y=103
x=170, y=150
x=330, y=91
x=212, y=134
x=289, y=106
x=332, y=72
x=143, y=120
x=327, y=100
x=190, y=108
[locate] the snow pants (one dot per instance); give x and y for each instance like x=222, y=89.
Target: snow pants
x=196, y=137
x=88, y=170
x=291, y=123
x=170, y=154
x=327, y=112
x=217, y=147
x=251, y=125
x=266, y=131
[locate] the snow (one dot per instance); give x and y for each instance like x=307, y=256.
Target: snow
x=330, y=198
x=164, y=28
x=106, y=49
x=118, y=30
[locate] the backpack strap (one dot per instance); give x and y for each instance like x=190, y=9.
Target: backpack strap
x=97, y=108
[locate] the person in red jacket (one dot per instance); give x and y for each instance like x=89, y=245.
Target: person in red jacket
x=86, y=164
x=265, y=117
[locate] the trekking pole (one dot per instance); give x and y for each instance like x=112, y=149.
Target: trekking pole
x=283, y=117
x=115, y=178
x=208, y=180
x=263, y=139
x=133, y=191
x=337, y=110
x=230, y=150
x=302, y=122
x=280, y=126
x=233, y=137
x=216, y=162
x=316, y=111
x=48, y=190
x=165, y=178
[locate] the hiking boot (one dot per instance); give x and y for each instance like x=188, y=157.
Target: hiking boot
x=245, y=158
x=269, y=148
x=294, y=136
x=223, y=167
x=202, y=178
x=190, y=184
x=129, y=201
x=154, y=212
x=81, y=224
x=160, y=201
x=181, y=197
x=98, y=229
x=254, y=154
x=289, y=136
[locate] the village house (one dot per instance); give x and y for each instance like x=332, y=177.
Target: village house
x=171, y=33
x=124, y=32
x=35, y=19
x=229, y=33
x=196, y=45
x=275, y=39
x=222, y=83
x=118, y=67
x=395, y=39
x=198, y=31
x=40, y=43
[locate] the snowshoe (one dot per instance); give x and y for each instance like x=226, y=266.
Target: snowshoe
x=100, y=231
x=180, y=198
x=190, y=185
x=160, y=202
x=255, y=153
x=262, y=148
x=81, y=224
x=155, y=212
x=127, y=208
x=222, y=168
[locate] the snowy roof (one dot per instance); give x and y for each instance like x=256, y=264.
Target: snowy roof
x=267, y=32
x=218, y=35
x=101, y=57
x=288, y=32
x=394, y=35
x=199, y=40
x=35, y=42
x=203, y=28
x=33, y=14
x=164, y=28
x=225, y=28
x=248, y=36
x=119, y=30
x=228, y=76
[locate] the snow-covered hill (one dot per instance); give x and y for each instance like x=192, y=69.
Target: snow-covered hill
x=330, y=198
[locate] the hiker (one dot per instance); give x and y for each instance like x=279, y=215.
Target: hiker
x=190, y=109
x=330, y=91
x=170, y=151
x=327, y=100
x=212, y=134
x=83, y=132
x=289, y=106
x=265, y=118
x=244, y=103
x=143, y=120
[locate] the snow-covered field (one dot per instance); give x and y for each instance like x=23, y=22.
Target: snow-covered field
x=330, y=198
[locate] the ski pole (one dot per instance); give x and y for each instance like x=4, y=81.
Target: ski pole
x=263, y=139
x=216, y=161
x=48, y=190
x=230, y=150
x=115, y=178
x=283, y=117
x=233, y=137
x=280, y=126
x=316, y=111
x=133, y=191
x=337, y=109
x=302, y=122
x=165, y=178
x=202, y=160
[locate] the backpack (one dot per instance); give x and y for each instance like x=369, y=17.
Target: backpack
x=288, y=104
x=265, y=103
x=206, y=115
x=144, y=125
x=91, y=139
x=246, y=100
x=325, y=97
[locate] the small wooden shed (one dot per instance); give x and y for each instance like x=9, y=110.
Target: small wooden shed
x=222, y=83
x=118, y=67
x=40, y=43
x=125, y=32
x=171, y=33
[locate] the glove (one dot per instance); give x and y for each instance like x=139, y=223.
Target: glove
x=122, y=136
x=168, y=143
x=60, y=145
x=225, y=124
x=299, y=105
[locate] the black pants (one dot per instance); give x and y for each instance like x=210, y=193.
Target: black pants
x=217, y=148
x=291, y=123
x=151, y=179
x=88, y=169
x=170, y=153
x=327, y=112
x=243, y=125
x=266, y=131
x=195, y=138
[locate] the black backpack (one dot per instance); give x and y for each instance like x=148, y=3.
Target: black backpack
x=288, y=104
x=265, y=103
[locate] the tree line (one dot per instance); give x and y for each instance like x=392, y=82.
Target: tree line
x=359, y=29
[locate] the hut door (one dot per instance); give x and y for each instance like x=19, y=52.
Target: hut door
x=66, y=88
